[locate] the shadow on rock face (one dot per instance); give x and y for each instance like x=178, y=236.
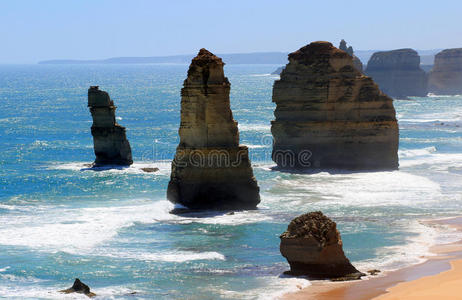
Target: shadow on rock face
x=200, y=213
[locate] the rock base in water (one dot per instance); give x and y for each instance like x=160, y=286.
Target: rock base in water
x=150, y=170
x=79, y=287
x=313, y=248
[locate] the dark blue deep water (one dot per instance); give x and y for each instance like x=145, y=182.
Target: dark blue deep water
x=112, y=228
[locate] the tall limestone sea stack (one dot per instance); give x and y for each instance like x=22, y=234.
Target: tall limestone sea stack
x=356, y=61
x=330, y=115
x=109, y=140
x=398, y=73
x=210, y=170
x=446, y=76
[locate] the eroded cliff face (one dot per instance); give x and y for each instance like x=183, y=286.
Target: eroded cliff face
x=313, y=247
x=398, y=73
x=109, y=139
x=446, y=76
x=329, y=115
x=210, y=170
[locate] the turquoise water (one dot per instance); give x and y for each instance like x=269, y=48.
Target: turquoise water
x=112, y=228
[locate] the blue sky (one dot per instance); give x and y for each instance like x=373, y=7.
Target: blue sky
x=82, y=29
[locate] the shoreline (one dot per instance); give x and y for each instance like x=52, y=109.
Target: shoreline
x=446, y=261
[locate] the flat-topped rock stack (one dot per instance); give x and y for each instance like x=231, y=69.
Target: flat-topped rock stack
x=109, y=139
x=398, y=73
x=313, y=247
x=330, y=115
x=446, y=76
x=210, y=170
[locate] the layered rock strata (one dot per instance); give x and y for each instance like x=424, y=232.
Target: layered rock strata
x=398, y=73
x=446, y=76
x=329, y=115
x=313, y=247
x=210, y=170
x=109, y=139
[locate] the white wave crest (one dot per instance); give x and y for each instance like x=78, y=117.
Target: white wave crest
x=265, y=75
x=171, y=256
x=355, y=189
x=442, y=96
x=416, y=152
x=254, y=127
x=436, y=161
x=415, y=251
x=270, y=287
x=136, y=168
x=76, y=229
x=250, y=146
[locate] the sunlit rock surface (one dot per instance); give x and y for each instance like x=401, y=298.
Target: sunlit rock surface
x=313, y=247
x=210, y=170
x=109, y=139
x=330, y=115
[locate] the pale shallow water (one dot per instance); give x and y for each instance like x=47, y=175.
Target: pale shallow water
x=112, y=228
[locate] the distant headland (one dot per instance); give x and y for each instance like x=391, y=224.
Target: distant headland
x=427, y=57
x=236, y=58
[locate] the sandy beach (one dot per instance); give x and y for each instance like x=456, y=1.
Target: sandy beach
x=440, y=276
x=446, y=285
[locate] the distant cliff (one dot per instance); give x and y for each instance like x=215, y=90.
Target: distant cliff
x=426, y=56
x=398, y=73
x=446, y=75
x=236, y=58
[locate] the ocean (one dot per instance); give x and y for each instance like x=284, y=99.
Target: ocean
x=112, y=228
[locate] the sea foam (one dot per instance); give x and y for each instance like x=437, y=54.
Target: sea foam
x=136, y=168
x=81, y=230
